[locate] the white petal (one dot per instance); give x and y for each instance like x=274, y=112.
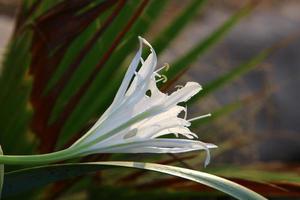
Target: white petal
x=183, y=94
x=140, y=83
x=135, y=119
x=157, y=146
x=128, y=76
x=146, y=72
x=177, y=130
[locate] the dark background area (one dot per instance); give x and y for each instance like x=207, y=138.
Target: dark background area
x=272, y=119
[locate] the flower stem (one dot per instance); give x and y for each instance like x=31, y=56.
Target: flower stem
x=38, y=159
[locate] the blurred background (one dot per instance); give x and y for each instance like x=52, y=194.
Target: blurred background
x=271, y=119
x=258, y=114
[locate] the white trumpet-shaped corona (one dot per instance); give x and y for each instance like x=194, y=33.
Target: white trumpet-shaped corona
x=141, y=114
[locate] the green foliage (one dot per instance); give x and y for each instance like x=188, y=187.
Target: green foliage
x=1, y=174
x=184, y=62
x=223, y=111
x=232, y=74
x=15, y=85
x=98, y=96
x=249, y=173
x=177, y=25
x=15, y=181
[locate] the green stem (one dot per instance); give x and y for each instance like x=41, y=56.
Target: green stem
x=39, y=159
x=73, y=151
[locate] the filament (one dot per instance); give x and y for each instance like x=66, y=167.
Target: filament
x=200, y=117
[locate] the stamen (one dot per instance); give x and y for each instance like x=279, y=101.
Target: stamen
x=163, y=79
x=200, y=117
x=185, y=112
x=166, y=66
x=157, y=74
x=158, y=80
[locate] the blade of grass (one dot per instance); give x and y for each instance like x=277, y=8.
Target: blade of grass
x=50, y=56
x=92, y=57
x=94, y=101
x=231, y=75
x=39, y=176
x=24, y=14
x=227, y=109
x=50, y=99
x=92, y=105
x=1, y=174
x=268, y=189
x=255, y=174
x=50, y=44
x=243, y=68
x=133, y=177
x=53, y=130
x=223, y=111
x=15, y=86
x=177, y=25
x=183, y=63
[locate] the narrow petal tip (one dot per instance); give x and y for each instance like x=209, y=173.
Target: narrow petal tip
x=143, y=40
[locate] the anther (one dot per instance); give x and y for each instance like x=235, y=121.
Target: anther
x=166, y=66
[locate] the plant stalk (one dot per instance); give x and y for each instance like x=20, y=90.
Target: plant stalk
x=39, y=159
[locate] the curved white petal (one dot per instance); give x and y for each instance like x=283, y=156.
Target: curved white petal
x=183, y=94
x=158, y=146
x=122, y=89
x=126, y=81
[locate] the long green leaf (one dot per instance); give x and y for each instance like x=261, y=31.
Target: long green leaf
x=232, y=74
x=183, y=63
x=127, y=193
x=256, y=173
x=96, y=98
x=1, y=174
x=177, y=25
x=209, y=180
x=23, y=180
x=216, y=114
x=15, y=82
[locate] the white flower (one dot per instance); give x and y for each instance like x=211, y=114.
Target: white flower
x=140, y=113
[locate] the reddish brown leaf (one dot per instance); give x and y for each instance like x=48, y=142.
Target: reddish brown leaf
x=55, y=30
x=135, y=175
x=49, y=46
x=53, y=130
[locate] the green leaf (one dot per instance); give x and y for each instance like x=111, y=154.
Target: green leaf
x=183, y=63
x=177, y=25
x=99, y=95
x=15, y=82
x=1, y=174
x=216, y=114
x=232, y=75
x=23, y=180
x=255, y=173
x=128, y=193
